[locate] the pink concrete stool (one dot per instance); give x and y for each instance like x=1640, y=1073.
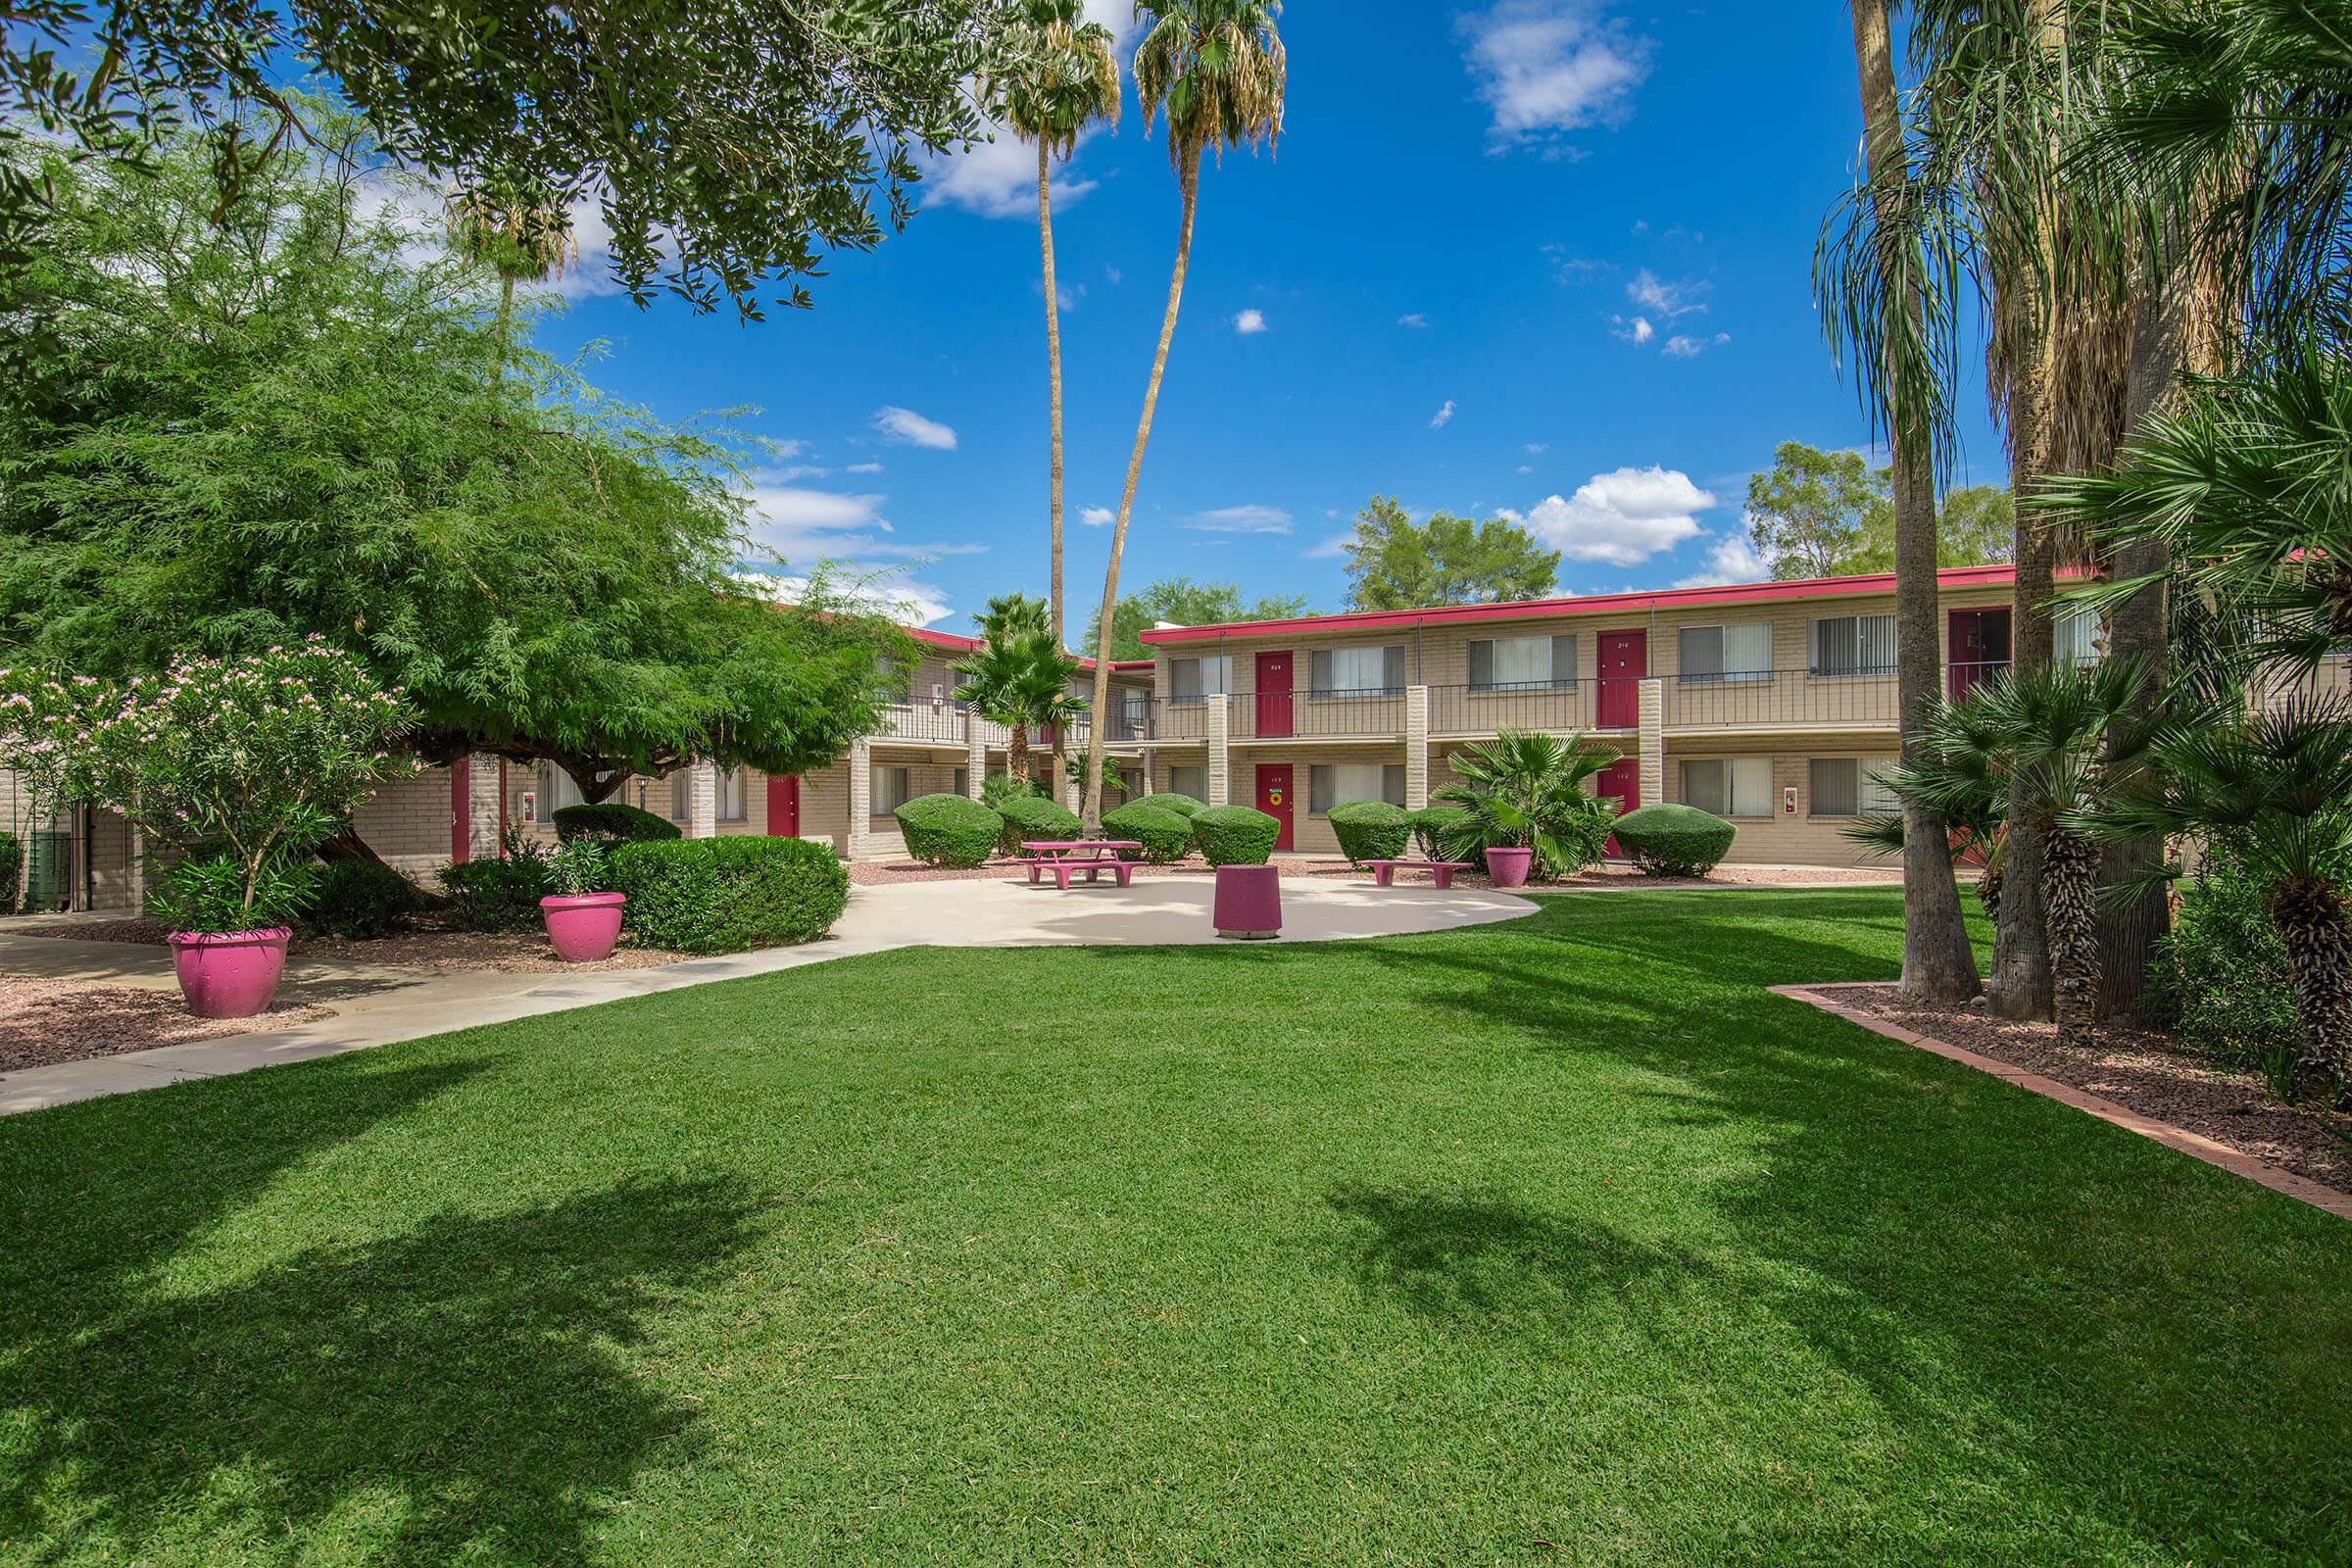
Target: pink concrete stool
x=1249, y=903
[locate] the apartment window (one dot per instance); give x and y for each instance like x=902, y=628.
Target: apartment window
x=1193, y=781
x=889, y=789
x=1842, y=786
x=556, y=791
x=1714, y=654
x=681, y=795
x=1193, y=680
x=1729, y=786
x=1522, y=664
x=1358, y=671
x=2075, y=635
x=1129, y=722
x=963, y=780
x=1855, y=645
x=731, y=794
x=1330, y=784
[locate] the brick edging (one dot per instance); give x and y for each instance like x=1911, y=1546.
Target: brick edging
x=2196, y=1145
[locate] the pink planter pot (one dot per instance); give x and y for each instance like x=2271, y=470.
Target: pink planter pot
x=1508, y=868
x=230, y=974
x=584, y=926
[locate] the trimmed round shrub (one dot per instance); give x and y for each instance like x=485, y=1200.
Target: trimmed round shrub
x=1371, y=830
x=950, y=829
x=616, y=820
x=1181, y=805
x=1668, y=840
x=728, y=895
x=361, y=899
x=1432, y=825
x=1034, y=818
x=1235, y=835
x=1166, y=836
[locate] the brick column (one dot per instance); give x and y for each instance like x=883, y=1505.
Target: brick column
x=482, y=806
x=1073, y=780
x=862, y=798
x=1417, y=748
x=1221, y=729
x=702, y=800
x=1650, y=695
x=975, y=757
x=1151, y=784
x=137, y=877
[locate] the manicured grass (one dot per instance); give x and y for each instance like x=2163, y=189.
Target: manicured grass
x=1553, y=1242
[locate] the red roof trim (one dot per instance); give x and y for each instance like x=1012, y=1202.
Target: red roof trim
x=1591, y=605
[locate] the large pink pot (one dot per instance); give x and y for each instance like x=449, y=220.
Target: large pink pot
x=584, y=926
x=230, y=974
x=1508, y=868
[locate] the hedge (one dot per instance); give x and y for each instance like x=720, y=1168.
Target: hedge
x=1034, y=818
x=1166, y=836
x=11, y=868
x=728, y=895
x=1181, y=805
x=1669, y=840
x=361, y=899
x=1235, y=835
x=501, y=892
x=611, y=819
x=1431, y=824
x=950, y=829
x=1371, y=830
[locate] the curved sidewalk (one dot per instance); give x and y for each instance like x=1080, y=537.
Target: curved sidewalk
x=380, y=1004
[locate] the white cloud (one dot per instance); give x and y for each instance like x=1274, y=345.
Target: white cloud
x=1437, y=421
x=1622, y=518
x=1249, y=322
x=1097, y=516
x=1114, y=274
x=1534, y=448
x=801, y=526
x=1545, y=68
x=902, y=599
x=904, y=424
x=999, y=178
x=1730, y=558
x=794, y=511
x=1680, y=347
x=1661, y=298
x=863, y=468
x=1525, y=468
x=1330, y=548
x=1636, y=331
x=1252, y=518
x=1415, y=320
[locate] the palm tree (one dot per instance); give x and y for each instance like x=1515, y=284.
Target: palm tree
x=1525, y=791
x=2058, y=740
x=2275, y=790
x=520, y=230
x=1879, y=302
x=1063, y=76
x=1020, y=677
x=1216, y=69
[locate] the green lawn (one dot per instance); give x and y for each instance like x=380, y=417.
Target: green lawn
x=1553, y=1242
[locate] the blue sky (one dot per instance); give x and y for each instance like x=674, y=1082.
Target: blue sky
x=1549, y=256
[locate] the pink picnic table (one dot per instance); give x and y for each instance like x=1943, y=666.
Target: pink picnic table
x=1383, y=872
x=1065, y=858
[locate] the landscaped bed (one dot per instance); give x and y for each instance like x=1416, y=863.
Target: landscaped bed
x=1556, y=1239
x=437, y=944
x=45, y=1021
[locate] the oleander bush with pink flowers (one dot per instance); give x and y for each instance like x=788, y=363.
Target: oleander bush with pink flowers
x=233, y=770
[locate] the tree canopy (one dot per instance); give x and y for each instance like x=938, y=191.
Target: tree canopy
x=1830, y=515
x=1397, y=563
x=1182, y=602
x=728, y=144
x=294, y=421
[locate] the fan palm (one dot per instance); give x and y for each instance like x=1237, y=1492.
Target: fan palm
x=2276, y=787
x=1020, y=677
x=2052, y=742
x=1525, y=791
x=520, y=230
x=1062, y=77
x=1215, y=68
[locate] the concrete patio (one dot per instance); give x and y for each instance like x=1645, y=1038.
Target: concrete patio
x=380, y=1004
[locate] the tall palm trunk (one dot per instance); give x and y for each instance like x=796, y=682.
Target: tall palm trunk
x=2070, y=881
x=1188, y=178
x=1017, y=755
x=1938, y=964
x=2311, y=919
x=1045, y=241
x=2020, y=950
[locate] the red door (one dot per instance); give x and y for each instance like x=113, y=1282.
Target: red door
x=1274, y=703
x=461, y=810
x=784, y=806
x=1624, y=661
x=1274, y=796
x=1622, y=780
x=1980, y=647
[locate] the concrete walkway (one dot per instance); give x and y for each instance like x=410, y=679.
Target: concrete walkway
x=378, y=1004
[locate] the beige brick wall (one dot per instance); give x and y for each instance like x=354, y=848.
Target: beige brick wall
x=407, y=823
x=1782, y=839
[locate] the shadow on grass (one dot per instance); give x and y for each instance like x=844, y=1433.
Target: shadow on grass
x=447, y=1393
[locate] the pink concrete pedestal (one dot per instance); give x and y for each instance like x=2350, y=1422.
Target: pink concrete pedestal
x=1249, y=903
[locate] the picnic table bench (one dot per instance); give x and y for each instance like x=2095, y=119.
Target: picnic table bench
x=1383, y=872
x=1066, y=857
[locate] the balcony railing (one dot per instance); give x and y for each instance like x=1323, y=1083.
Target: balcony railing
x=1318, y=715
x=1780, y=699
x=932, y=723
x=1555, y=707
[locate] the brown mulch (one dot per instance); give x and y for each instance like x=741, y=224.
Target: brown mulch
x=2141, y=1069
x=435, y=945
x=43, y=1022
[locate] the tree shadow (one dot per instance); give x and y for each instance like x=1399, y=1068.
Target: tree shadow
x=449, y=1393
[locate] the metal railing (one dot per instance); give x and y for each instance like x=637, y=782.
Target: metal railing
x=940, y=723
x=1780, y=699
x=1556, y=708
x=1318, y=715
